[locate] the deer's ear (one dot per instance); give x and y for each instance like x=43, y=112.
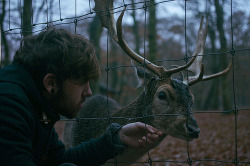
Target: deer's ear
x=142, y=74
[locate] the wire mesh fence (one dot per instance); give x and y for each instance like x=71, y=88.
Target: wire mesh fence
x=13, y=28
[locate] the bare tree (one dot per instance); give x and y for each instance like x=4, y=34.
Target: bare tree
x=226, y=103
x=152, y=32
x=27, y=18
x=135, y=28
x=212, y=98
x=95, y=31
x=6, y=58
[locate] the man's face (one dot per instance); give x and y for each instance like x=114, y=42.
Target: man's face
x=70, y=97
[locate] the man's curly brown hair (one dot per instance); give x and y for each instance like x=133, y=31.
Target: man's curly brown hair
x=57, y=51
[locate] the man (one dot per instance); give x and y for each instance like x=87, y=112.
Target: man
x=49, y=76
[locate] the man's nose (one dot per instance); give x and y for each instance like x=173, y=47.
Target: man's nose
x=86, y=90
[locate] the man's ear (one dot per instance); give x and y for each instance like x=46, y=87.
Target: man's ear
x=50, y=83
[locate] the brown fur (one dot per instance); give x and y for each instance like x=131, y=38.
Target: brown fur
x=168, y=115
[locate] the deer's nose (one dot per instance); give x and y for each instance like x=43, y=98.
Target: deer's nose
x=193, y=131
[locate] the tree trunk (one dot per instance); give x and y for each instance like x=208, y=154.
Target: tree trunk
x=152, y=33
x=95, y=31
x=27, y=17
x=6, y=59
x=135, y=30
x=212, y=99
x=226, y=103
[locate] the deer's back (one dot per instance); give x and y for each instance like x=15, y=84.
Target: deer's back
x=91, y=122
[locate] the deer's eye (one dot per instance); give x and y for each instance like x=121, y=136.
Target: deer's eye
x=162, y=95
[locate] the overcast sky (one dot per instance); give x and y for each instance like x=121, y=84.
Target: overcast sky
x=83, y=7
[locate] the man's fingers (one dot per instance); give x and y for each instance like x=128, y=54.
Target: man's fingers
x=146, y=143
x=151, y=138
x=150, y=129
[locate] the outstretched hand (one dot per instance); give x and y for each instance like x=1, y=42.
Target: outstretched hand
x=140, y=135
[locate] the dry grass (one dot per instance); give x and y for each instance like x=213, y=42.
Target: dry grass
x=216, y=142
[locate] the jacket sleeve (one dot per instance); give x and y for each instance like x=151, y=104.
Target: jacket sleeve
x=91, y=153
x=16, y=128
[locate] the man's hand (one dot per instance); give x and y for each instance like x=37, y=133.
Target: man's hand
x=140, y=135
x=140, y=138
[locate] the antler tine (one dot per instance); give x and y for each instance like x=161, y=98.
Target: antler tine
x=194, y=80
x=195, y=64
x=201, y=77
x=197, y=67
x=209, y=77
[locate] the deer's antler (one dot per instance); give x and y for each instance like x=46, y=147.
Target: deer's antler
x=197, y=67
x=158, y=70
x=108, y=22
x=104, y=10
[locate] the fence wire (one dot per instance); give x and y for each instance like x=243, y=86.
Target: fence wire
x=143, y=5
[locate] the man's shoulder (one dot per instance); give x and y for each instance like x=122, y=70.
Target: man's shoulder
x=14, y=103
x=13, y=93
x=7, y=88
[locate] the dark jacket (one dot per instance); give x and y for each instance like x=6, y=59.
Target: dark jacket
x=25, y=139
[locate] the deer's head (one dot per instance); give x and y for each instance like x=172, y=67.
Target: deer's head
x=168, y=105
x=168, y=101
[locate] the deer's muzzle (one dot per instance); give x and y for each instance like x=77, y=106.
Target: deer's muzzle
x=193, y=131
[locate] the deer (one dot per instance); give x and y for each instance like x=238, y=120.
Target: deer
x=165, y=104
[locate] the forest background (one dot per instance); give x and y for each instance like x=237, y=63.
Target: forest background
x=164, y=31
x=160, y=33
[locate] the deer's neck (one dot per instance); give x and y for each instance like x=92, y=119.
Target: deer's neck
x=138, y=110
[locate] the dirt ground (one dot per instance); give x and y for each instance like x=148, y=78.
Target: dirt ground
x=215, y=146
